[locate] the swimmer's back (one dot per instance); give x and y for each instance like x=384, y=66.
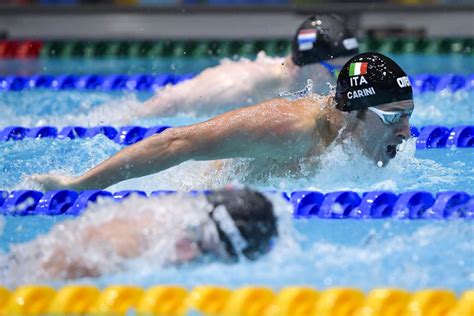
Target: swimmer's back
x=269, y=129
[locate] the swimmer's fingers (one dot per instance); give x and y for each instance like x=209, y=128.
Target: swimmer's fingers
x=50, y=182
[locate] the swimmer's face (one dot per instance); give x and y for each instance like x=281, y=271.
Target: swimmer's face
x=383, y=132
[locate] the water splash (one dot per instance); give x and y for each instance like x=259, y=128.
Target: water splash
x=332, y=88
x=336, y=171
x=70, y=157
x=306, y=91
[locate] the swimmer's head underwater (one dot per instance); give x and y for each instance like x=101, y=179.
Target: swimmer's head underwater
x=372, y=107
x=244, y=223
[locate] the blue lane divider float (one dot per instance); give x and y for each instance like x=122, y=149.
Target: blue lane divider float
x=306, y=204
x=382, y=204
x=443, y=137
x=143, y=82
x=125, y=135
x=91, y=82
x=427, y=137
x=435, y=83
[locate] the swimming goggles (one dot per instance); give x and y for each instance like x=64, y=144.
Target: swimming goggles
x=333, y=70
x=391, y=117
x=209, y=241
x=219, y=236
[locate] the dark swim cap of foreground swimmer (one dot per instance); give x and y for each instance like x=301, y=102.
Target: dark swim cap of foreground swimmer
x=369, y=80
x=245, y=222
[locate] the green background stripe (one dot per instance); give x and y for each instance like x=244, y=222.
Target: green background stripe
x=223, y=48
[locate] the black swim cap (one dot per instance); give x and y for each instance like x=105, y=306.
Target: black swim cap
x=322, y=37
x=253, y=216
x=371, y=79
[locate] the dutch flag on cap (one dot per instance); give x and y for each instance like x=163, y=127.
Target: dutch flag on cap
x=306, y=39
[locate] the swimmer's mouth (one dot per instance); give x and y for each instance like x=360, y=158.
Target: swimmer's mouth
x=391, y=151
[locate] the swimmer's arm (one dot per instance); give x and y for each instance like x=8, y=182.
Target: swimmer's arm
x=262, y=131
x=228, y=85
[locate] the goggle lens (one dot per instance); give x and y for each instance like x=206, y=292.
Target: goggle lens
x=391, y=117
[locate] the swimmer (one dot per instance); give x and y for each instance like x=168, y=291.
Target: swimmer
x=321, y=45
x=225, y=225
x=372, y=107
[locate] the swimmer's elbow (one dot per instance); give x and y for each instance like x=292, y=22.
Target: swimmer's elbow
x=174, y=143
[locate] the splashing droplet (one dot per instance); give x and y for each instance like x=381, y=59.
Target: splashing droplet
x=299, y=94
x=401, y=147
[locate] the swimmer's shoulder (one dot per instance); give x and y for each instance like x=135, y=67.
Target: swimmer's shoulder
x=314, y=103
x=303, y=112
x=310, y=104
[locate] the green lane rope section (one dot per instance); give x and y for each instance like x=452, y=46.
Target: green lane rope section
x=223, y=48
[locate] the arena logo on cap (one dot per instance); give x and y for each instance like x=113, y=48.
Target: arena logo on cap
x=306, y=39
x=350, y=43
x=403, y=82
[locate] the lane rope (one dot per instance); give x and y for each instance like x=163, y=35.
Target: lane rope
x=144, y=82
x=427, y=137
x=306, y=204
x=174, y=300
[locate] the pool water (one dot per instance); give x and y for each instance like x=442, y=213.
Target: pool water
x=315, y=252
x=90, y=108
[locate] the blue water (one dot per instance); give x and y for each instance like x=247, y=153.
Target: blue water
x=320, y=253
x=105, y=66
x=61, y=108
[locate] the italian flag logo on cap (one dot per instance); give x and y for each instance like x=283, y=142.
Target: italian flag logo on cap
x=358, y=69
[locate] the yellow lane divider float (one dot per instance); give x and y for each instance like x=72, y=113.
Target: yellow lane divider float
x=218, y=301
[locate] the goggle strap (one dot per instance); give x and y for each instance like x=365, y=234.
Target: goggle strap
x=210, y=232
x=228, y=227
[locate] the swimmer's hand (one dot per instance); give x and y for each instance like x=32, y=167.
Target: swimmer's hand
x=50, y=182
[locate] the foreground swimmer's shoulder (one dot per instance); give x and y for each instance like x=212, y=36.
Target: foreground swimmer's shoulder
x=313, y=104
